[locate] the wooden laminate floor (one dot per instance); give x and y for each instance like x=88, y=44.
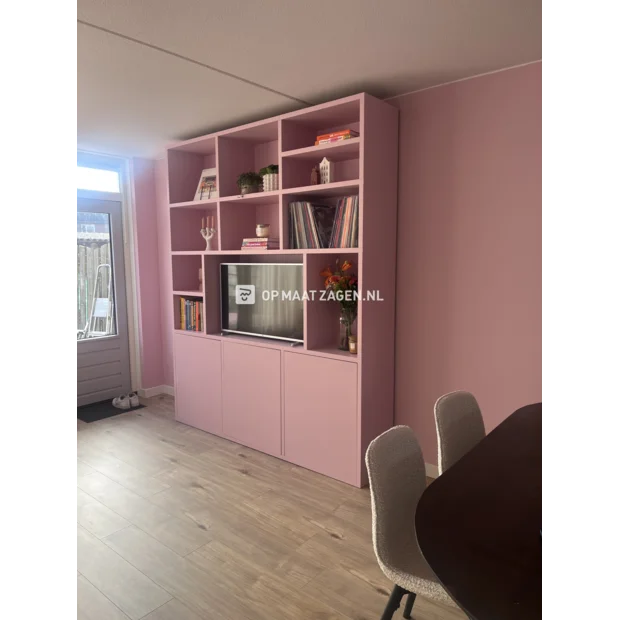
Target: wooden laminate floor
x=176, y=524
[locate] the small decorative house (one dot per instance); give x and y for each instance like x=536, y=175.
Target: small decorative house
x=327, y=171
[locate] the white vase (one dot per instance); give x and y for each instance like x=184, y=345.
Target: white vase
x=271, y=182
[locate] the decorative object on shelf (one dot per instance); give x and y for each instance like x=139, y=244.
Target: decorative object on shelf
x=353, y=345
x=262, y=230
x=327, y=171
x=315, y=176
x=260, y=243
x=208, y=232
x=342, y=287
x=200, y=279
x=271, y=178
x=336, y=136
x=249, y=182
x=207, y=186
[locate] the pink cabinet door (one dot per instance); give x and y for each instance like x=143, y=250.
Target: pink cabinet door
x=198, y=382
x=251, y=396
x=320, y=415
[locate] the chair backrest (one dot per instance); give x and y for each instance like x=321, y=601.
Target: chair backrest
x=397, y=479
x=459, y=426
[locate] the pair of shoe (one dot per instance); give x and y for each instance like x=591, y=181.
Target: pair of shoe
x=126, y=401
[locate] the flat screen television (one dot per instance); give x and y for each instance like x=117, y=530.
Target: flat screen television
x=276, y=290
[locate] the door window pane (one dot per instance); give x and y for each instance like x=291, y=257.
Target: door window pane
x=98, y=180
x=95, y=284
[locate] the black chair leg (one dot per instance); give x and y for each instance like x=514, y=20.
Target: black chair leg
x=393, y=602
x=409, y=605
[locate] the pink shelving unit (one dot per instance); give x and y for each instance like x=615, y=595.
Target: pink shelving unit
x=312, y=405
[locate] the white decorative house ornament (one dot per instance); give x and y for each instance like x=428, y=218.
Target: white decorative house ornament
x=327, y=171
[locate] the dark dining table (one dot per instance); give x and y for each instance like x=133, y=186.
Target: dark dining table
x=479, y=523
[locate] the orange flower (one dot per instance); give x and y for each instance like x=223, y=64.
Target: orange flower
x=327, y=272
x=346, y=265
x=334, y=279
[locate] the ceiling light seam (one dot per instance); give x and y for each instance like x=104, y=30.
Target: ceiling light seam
x=196, y=62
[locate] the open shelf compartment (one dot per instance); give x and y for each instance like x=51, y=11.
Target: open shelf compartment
x=186, y=223
x=239, y=219
x=185, y=164
x=322, y=316
x=177, y=313
x=300, y=129
x=185, y=272
x=327, y=198
x=247, y=149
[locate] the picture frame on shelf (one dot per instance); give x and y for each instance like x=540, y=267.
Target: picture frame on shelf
x=207, y=185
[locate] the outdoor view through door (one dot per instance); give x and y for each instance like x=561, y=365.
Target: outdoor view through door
x=95, y=289
x=102, y=336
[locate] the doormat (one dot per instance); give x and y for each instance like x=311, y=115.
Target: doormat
x=100, y=411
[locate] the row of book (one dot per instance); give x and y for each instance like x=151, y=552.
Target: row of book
x=191, y=314
x=260, y=243
x=313, y=226
x=336, y=136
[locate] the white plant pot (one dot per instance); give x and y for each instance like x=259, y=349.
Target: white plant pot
x=271, y=182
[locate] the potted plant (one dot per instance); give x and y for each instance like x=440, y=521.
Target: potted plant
x=249, y=182
x=271, y=178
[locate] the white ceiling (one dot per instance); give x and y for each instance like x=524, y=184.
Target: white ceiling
x=153, y=71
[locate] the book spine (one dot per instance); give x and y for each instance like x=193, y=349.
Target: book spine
x=330, y=140
x=335, y=134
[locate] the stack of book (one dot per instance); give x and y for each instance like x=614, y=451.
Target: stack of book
x=260, y=243
x=346, y=227
x=336, y=136
x=191, y=314
x=310, y=226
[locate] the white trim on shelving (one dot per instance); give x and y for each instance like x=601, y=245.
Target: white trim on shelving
x=432, y=471
x=156, y=391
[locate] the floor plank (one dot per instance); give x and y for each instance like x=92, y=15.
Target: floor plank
x=182, y=525
x=92, y=605
x=172, y=610
x=128, y=588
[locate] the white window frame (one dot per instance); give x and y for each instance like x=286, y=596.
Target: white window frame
x=123, y=166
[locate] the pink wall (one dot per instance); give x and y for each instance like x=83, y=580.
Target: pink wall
x=165, y=270
x=469, y=248
x=148, y=283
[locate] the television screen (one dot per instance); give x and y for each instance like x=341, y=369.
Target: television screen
x=261, y=299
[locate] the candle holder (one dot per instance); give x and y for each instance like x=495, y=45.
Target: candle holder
x=208, y=234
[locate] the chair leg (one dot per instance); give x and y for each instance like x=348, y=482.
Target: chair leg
x=409, y=605
x=393, y=602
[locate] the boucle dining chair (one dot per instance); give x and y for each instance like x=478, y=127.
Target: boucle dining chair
x=397, y=479
x=459, y=426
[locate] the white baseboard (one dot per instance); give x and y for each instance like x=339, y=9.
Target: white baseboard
x=432, y=471
x=156, y=391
